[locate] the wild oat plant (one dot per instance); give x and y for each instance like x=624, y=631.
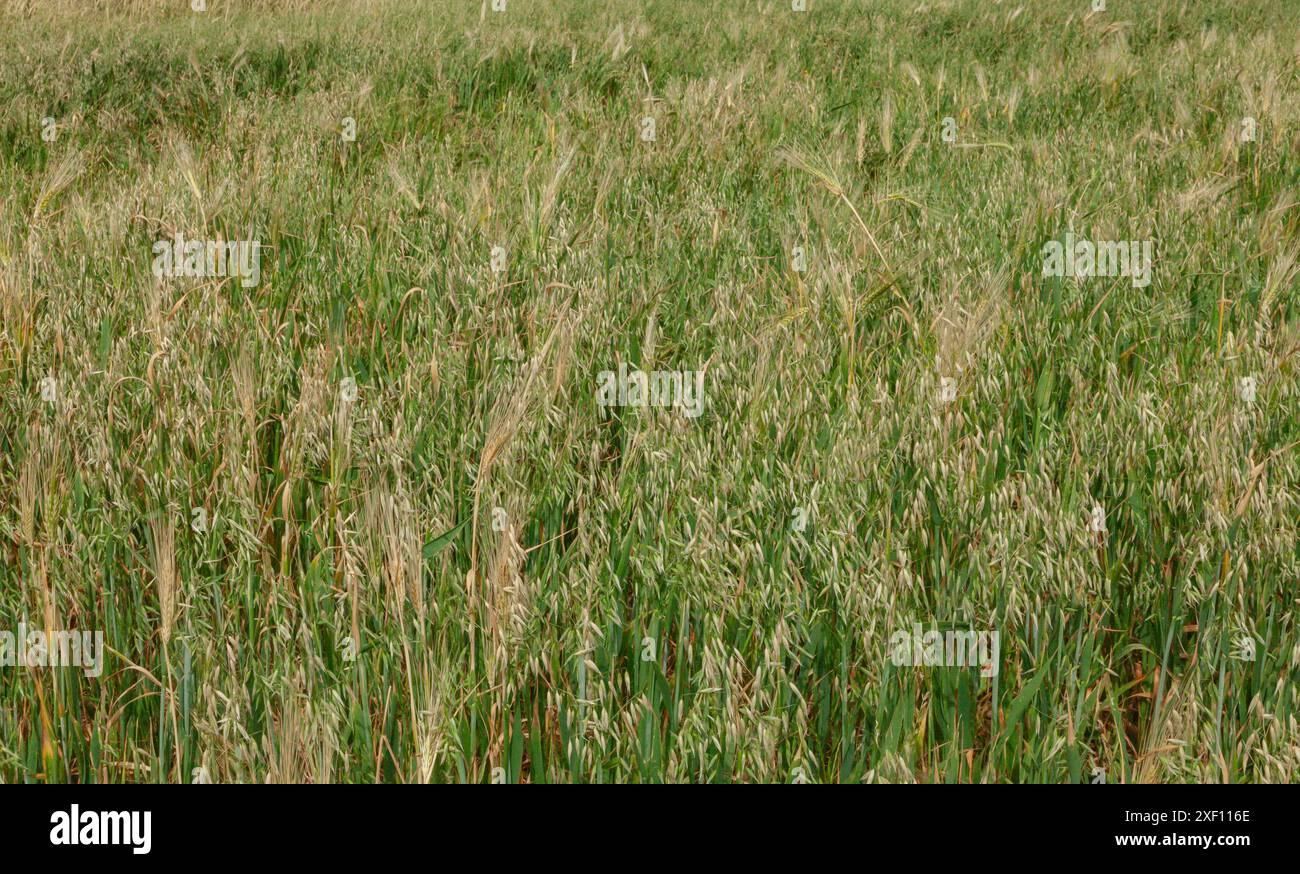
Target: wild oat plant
x=617, y=391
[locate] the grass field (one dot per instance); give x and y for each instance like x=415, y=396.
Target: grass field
x=367, y=518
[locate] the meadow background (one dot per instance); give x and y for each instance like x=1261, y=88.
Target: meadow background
x=650, y=611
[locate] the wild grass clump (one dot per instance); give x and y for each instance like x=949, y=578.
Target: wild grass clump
x=425, y=553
